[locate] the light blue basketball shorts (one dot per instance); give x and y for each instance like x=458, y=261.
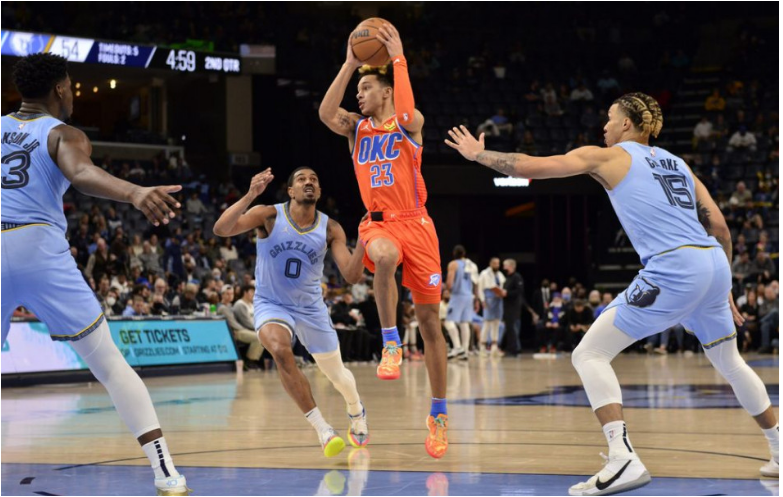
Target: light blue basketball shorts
x=460, y=309
x=39, y=273
x=311, y=325
x=688, y=286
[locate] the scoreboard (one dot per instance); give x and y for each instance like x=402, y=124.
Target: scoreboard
x=90, y=51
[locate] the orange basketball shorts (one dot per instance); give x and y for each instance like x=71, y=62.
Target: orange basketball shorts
x=417, y=244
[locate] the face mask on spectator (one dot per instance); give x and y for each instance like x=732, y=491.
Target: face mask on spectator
x=111, y=301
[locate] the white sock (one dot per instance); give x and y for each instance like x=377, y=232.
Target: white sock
x=465, y=332
x=158, y=453
x=451, y=327
x=317, y=420
x=773, y=437
x=617, y=436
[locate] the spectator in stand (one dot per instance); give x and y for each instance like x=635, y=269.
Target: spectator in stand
x=763, y=268
x=360, y=290
x=715, y=102
x=161, y=305
x=241, y=333
x=136, y=307
x=581, y=93
x=566, y=295
x=228, y=251
x=533, y=95
x=590, y=120
x=243, y=307
x=578, y=320
x=551, y=333
x=749, y=311
x=606, y=299
x=607, y=84
x=579, y=141
x=528, y=145
x=769, y=318
x=195, y=206
x=188, y=303
x=551, y=104
x=742, y=140
x=741, y=195
x=742, y=267
x=100, y=262
x=702, y=132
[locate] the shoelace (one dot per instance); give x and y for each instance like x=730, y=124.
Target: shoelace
x=440, y=427
x=391, y=352
x=605, y=457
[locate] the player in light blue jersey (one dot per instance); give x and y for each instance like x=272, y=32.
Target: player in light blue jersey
x=678, y=231
x=41, y=158
x=293, y=239
x=461, y=281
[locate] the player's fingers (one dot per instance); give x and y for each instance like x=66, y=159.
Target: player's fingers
x=450, y=144
x=465, y=130
x=164, y=192
x=456, y=133
x=162, y=205
x=150, y=217
x=454, y=136
x=156, y=211
x=171, y=201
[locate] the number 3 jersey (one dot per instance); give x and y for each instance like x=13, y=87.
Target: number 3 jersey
x=656, y=202
x=290, y=262
x=32, y=184
x=387, y=163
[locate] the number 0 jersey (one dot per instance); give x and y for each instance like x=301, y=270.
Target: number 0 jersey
x=387, y=163
x=290, y=262
x=656, y=202
x=32, y=184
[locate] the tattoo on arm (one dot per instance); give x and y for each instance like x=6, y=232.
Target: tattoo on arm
x=500, y=162
x=343, y=120
x=704, y=216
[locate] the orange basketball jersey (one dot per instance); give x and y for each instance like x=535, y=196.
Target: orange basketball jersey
x=387, y=163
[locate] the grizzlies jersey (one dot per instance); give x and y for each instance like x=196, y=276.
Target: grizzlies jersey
x=290, y=261
x=463, y=282
x=387, y=163
x=32, y=184
x=656, y=203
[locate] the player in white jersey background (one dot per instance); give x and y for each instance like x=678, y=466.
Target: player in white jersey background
x=677, y=229
x=293, y=239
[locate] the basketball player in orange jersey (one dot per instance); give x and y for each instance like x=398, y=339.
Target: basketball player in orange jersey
x=385, y=144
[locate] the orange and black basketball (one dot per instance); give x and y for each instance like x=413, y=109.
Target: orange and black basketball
x=366, y=46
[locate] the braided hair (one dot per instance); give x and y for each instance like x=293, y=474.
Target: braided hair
x=643, y=111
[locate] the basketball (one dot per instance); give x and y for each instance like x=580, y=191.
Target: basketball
x=366, y=46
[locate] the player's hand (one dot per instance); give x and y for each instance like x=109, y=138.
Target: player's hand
x=465, y=143
x=350, y=57
x=156, y=203
x=259, y=183
x=389, y=36
x=739, y=319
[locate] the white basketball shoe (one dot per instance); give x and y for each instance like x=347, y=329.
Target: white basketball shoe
x=172, y=486
x=771, y=469
x=622, y=472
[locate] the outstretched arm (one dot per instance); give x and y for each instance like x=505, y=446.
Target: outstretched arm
x=714, y=223
x=235, y=220
x=70, y=149
x=335, y=117
x=404, y=104
x=349, y=264
x=582, y=160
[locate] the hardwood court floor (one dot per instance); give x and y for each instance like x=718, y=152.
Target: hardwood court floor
x=509, y=416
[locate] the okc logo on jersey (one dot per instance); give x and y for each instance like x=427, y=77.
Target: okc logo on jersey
x=643, y=294
x=434, y=280
x=379, y=148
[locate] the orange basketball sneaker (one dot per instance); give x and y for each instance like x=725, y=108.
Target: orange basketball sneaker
x=437, y=442
x=389, y=368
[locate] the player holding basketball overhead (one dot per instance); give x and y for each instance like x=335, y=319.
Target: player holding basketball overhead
x=678, y=231
x=42, y=157
x=385, y=144
x=292, y=242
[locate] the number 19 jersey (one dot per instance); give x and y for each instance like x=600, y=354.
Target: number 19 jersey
x=32, y=184
x=656, y=202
